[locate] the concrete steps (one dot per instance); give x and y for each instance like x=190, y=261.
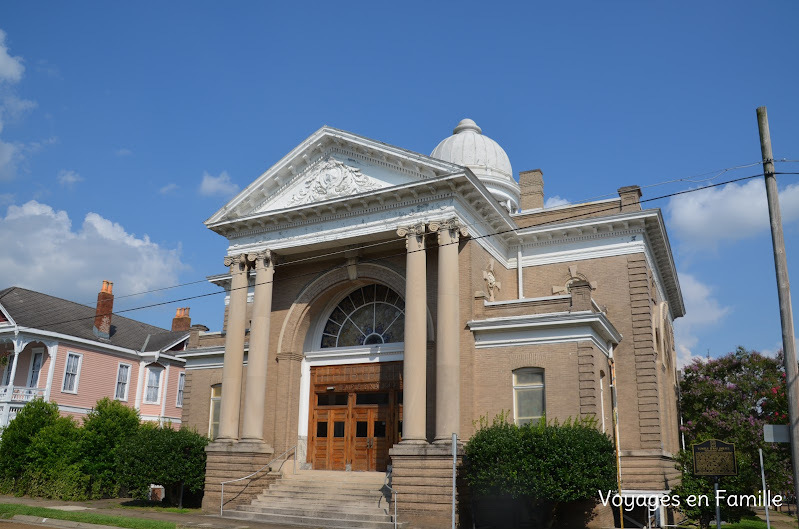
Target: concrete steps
x=319, y=498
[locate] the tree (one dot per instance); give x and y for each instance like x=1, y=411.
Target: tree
x=548, y=464
x=731, y=398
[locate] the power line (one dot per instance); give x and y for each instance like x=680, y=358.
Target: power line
x=385, y=257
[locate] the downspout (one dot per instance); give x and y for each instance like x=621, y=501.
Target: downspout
x=614, y=396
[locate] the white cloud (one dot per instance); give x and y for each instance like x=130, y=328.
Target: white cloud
x=14, y=108
x=218, y=185
x=702, y=310
x=43, y=252
x=68, y=178
x=705, y=219
x=123, y=152
x=168, y=188
x=11, y=68
x=11, y=155
x=555, y=201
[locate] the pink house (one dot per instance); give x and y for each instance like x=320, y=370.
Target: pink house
x=74, y=355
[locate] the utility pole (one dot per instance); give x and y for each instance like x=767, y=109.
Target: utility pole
x=783, y=290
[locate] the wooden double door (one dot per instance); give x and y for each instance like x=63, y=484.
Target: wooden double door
x=355, y=416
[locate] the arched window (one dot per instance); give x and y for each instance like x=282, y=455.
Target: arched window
x=528, y=395
x=371, y=315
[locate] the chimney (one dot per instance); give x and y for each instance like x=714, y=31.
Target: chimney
x=105, y=306
x=532, y=189
x=194, y=338
x=181, y=321
x=630, y=198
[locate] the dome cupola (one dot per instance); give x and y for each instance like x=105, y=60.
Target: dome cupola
x=487, y=160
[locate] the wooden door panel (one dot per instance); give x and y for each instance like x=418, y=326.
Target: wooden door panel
x=338, y=430
x=360, y=439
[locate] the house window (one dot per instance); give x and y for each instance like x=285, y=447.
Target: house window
x=371, y=315
x=36, y=367
x=528, y=395
x=72, y=373
x=123, y=378
x=153, y=393
x=216, y=405
x=9, y=367
x=181, y=384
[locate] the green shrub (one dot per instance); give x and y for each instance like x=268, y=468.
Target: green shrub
x=55, y=463
x=106, y=428
x=545, y=463
x=19, y=433
x=164, y=456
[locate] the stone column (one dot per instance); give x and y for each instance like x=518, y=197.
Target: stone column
x=234, y=349
x=255, y=389
x=414, y=373
x=448, y=331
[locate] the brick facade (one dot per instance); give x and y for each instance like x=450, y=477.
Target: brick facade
x=592, y=293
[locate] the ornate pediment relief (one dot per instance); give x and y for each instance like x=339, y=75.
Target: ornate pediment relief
x=326, y=179
x=329, y=179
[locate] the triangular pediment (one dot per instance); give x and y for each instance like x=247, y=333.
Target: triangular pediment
x=329, y=178
x=331, y=164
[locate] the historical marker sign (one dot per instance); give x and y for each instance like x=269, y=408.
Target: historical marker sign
x=714, y=458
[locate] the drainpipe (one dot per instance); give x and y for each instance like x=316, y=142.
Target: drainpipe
x=616, y=436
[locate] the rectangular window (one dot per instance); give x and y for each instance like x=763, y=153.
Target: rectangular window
x=153, y=392
x=72, y=373
x=216, y=404
x=528, y=395
x=181, y=385
x=123, y=378
x=36, y=367
x=9, y=367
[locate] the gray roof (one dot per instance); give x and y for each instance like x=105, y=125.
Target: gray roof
x=48, y=313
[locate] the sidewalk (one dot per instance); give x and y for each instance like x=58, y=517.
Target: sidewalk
x=778, y=520
x=112, y=507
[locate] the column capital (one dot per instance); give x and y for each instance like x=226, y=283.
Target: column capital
x=239, y=259
x=264, y=258
x=453, y=226
x=416, y=231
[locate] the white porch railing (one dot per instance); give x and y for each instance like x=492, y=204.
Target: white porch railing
x=20, y=393
x=13, y=398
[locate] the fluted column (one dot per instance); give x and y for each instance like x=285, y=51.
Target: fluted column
x=448, y=331
x=414, y=371
x=255, y=389
x=234, y=349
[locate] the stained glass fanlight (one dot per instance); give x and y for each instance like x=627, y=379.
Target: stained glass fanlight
x=370, y=315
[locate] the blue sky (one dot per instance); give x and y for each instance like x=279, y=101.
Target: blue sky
x=124, y=126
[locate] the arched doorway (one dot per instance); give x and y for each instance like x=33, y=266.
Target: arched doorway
x=355, y=409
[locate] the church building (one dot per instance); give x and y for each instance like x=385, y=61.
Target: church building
x=380, y=300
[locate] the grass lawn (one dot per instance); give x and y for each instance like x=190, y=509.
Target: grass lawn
x=152, y=506
x=746, y=523
x=8, y=510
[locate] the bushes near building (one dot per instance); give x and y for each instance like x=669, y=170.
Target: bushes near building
x=540, y=466
x=44, y=454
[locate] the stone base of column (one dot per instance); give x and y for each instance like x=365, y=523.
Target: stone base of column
x=233, y=460
x=422, y=477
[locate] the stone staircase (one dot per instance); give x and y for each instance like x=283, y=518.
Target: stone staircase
x=320, y=498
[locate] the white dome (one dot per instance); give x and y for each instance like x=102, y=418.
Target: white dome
x=488, y=161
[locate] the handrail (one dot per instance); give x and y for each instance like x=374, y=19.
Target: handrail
x=222, y=498
x=394, y=492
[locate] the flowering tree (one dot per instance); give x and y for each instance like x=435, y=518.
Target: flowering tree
x=731, y=398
